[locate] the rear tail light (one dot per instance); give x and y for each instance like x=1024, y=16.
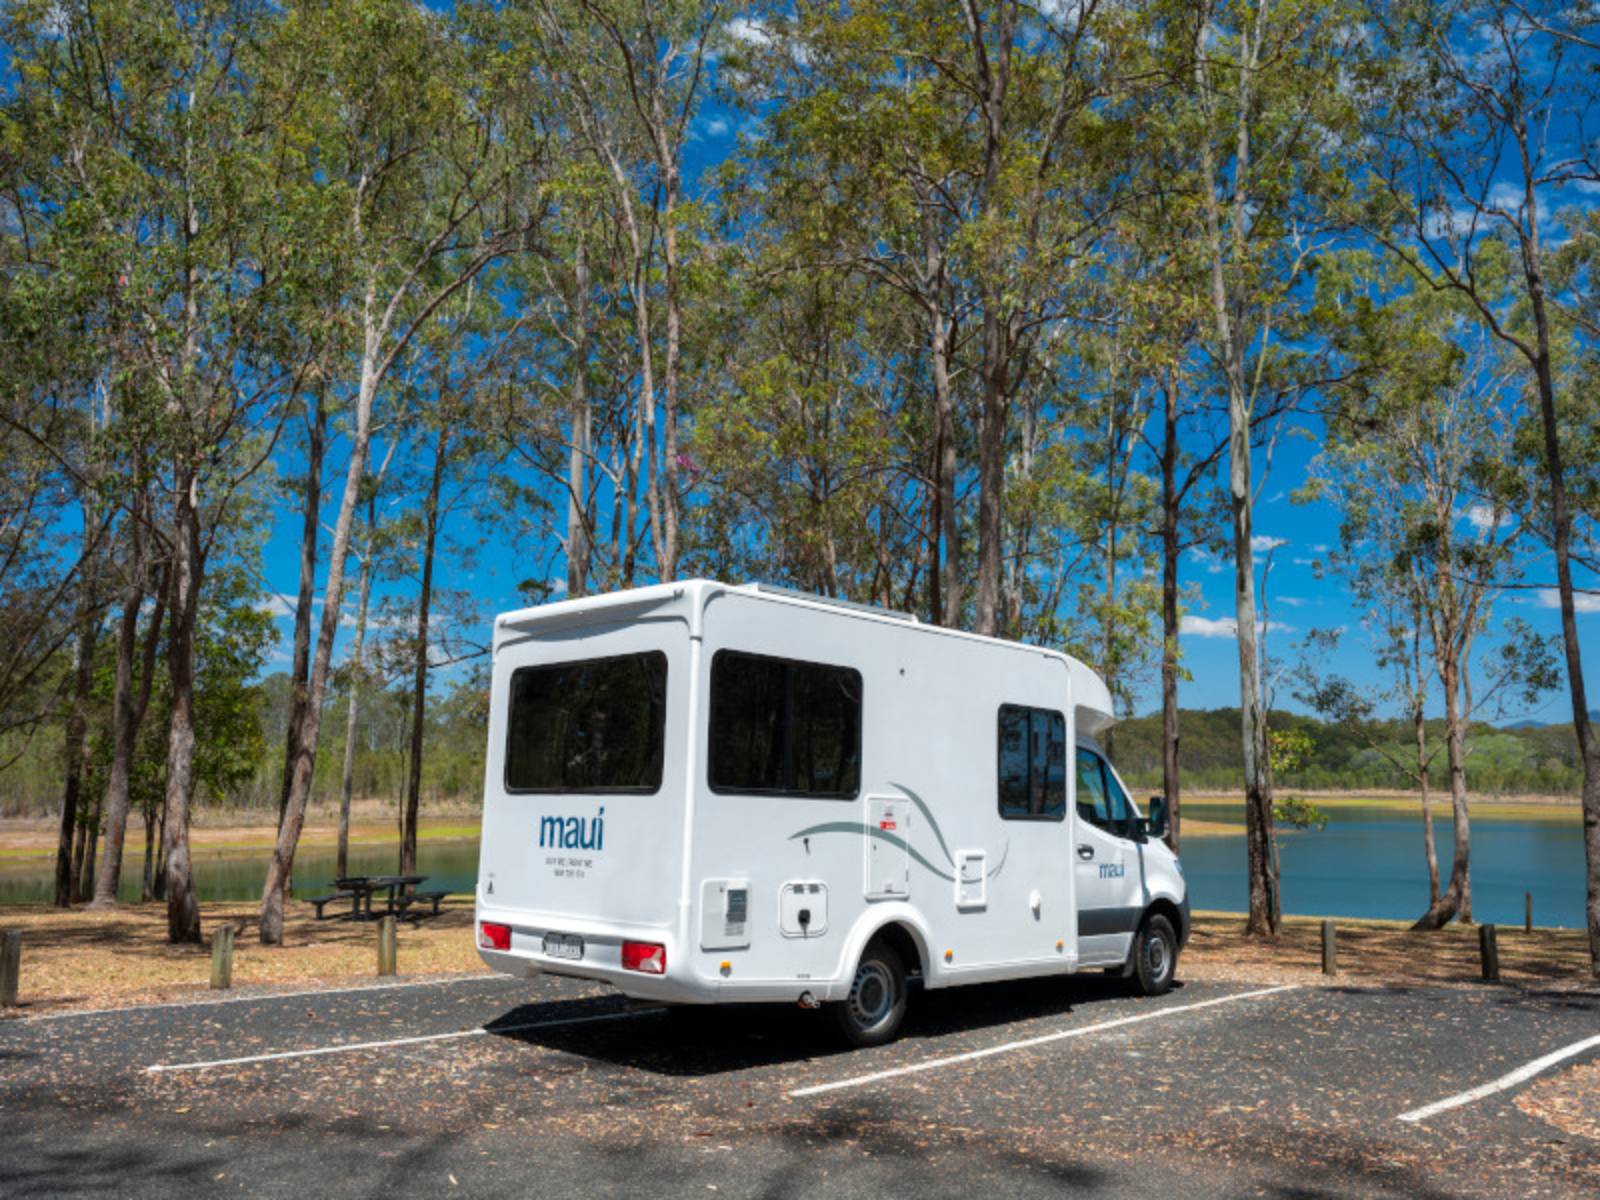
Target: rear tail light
x=494, y=937
x=644, y=956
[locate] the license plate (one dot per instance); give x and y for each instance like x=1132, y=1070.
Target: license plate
x=563, y=945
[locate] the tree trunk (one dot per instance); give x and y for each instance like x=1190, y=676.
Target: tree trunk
x=419, y=693
x=183, y=911
x=1561, y=540
x=1456, y=900
x=76, y=745
x=1230, y=343
x=578, y=539
x=1420, y=727
x=80, y=851
x=84, y=890
x=300, y=669
x=147, y=880
x=124, y=722
x=274, y=892
x=1171, y=786
x=348, y=776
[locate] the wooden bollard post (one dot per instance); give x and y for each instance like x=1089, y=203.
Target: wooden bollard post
x=222, y=957
x=1527, y=912
x=1330, y=948
x=388, y=936
x=10, y=967
x=1489, y=949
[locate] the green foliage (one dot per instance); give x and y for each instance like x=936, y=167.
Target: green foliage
x=1529, y=760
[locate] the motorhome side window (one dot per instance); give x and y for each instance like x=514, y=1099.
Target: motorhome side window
x=781, y=727
x=592, y=726
x=1033, y=764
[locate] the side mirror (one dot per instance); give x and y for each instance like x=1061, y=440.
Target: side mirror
x=1156, y=822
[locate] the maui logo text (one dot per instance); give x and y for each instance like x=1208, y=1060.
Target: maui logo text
x=573, y=833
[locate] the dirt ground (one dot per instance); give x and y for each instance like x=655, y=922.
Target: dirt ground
x=86, y=959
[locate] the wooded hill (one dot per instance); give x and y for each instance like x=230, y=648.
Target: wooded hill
x=1524, y=760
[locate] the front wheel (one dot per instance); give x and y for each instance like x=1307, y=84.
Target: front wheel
x=1155, y=956
x=872, y=1013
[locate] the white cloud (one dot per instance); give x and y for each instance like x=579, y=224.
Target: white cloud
x=716, y=127
x=1223, y=627
x=751, y=33
x=1584, y=602
x=1261, y=543
x=1484, y=517
x=1205, y=627
x=276, y=606
x=1291, y=601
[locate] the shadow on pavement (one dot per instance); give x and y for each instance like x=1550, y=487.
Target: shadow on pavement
x=715, y=1040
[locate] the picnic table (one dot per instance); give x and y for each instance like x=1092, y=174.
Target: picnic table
x=360, y=889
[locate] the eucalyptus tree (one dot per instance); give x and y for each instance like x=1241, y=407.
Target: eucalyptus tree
x=169, y=169
x=1482, y=127
x=427, y=162
x=1269, y=110
x=1420, y=462
x=631, y=79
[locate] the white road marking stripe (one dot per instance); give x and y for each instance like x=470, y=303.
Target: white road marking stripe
x=255, y=998
x=1042, y=1039
x=350, y=1047
x=1520, y=1075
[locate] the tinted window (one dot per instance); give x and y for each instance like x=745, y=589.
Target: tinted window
x=784, y=727
x=595, y=726
x=1093, y=805
x=1033, y=763
x=1101, y=800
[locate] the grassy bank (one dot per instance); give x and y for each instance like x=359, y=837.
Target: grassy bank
x=368, y=827
x=82, y=959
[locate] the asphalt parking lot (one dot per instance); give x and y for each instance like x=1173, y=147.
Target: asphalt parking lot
x=487, y=1085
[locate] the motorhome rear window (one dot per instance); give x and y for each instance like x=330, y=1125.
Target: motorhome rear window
x=1033, y=764
x=592, y=726
x=782, y=727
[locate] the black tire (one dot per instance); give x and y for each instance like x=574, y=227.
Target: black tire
x=1155, y=956
x=876, y=1006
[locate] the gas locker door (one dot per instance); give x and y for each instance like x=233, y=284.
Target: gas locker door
x=888, y=857
x=1106, y=861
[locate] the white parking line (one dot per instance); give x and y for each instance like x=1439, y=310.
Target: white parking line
x=351, y=1047
x=253, y=998
x=1025, y=1043
x=1520, y=1075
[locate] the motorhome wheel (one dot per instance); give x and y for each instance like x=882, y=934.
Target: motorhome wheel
x=1155, y=953
x=872, y=1013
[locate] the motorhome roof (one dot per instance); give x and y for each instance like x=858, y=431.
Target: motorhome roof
x=1089, y=689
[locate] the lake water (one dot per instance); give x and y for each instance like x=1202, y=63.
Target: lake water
x=1366, y=863
x=1369, y=863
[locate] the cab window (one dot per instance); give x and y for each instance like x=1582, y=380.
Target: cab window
x=1101, y=800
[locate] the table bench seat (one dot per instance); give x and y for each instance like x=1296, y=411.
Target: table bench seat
x=318, y=901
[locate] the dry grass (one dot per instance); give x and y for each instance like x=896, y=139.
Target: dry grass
x=371, y=823
x=1569, y=1100
x=87, y=959
x=1383, y=952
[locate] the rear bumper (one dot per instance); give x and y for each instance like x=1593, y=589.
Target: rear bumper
x=602, y=956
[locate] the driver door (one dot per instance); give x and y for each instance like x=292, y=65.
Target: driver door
x=1106, y=862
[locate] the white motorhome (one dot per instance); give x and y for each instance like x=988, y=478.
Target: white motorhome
x=703, y=793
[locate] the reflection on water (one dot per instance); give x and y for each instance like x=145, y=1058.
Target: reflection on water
x=450, y=864
x=1367, y=863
